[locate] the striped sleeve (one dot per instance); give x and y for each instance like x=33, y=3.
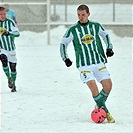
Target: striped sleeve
x=67, y=38
x=104, y=34
x=14, y=30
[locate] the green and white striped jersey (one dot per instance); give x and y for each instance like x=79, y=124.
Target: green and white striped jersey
x=87, y=44
x=7, y=42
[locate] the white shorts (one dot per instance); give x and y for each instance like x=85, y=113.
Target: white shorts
x=94, y=71
x=11, y=55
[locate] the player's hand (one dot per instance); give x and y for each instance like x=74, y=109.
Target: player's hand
x=109, y=52
x=5, y=33
x=68, y=62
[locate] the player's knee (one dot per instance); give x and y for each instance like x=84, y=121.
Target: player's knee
x=4, y=60
x=107, y=85
x=12, y=67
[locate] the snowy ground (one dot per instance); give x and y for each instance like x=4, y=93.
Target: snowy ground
x=51, y=97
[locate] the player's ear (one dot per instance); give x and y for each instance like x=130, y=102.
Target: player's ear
x=88, y=14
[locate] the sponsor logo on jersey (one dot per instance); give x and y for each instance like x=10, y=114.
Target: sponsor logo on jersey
x=87, y=39
x=2, y=30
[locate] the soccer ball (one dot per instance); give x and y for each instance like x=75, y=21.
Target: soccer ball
x=98, y=115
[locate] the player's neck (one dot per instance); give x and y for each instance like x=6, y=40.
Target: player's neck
x=83, y=23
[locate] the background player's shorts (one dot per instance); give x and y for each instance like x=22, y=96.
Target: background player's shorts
x=94, y=71
x=11, y=55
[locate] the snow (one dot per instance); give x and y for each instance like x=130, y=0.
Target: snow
x=51, y=98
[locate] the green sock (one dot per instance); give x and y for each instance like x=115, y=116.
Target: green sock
x=7, y=72
x=104, y=94
x=100, y=102
x=13, y=75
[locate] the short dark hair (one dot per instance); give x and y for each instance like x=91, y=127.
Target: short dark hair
x=2, y=8
x=83, y=7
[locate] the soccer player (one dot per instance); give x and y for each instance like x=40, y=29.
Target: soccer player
x=10, y=13
x=90, y=55
x=8, y=31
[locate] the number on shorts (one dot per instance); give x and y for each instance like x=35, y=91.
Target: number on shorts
x=84, y=74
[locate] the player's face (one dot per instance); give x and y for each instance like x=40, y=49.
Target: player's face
x=83, y=16
x=2, y=15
